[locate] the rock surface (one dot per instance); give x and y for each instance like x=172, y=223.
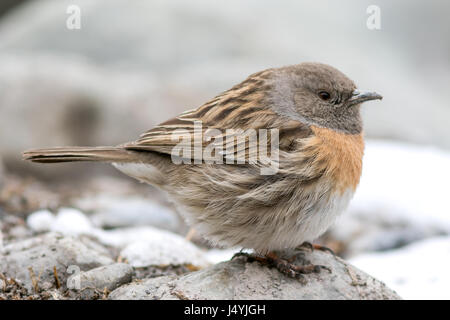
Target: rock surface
x=163, y=248
x=35, y=261
x=165, y=266
x=141, y=246
x=145, y=246
x=238, y=279
x=91, y=284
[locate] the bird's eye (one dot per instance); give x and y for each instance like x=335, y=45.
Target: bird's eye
x=324, y=95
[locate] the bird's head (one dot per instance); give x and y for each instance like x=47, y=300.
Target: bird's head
x=320, y=95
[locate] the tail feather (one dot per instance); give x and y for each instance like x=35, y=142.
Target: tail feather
x=70, y=154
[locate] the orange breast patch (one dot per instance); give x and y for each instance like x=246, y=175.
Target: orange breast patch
x=340, y=155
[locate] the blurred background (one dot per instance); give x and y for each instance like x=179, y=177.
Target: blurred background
x=131, y=66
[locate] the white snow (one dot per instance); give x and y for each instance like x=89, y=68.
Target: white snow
x=141, y=246
x=418, y=271
x=410, y=181
x=220, y=255
x=68, y=221
x=72, y=222
x=41, y=221
x=402, y=197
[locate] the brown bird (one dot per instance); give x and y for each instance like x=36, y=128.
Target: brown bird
x=310, y=112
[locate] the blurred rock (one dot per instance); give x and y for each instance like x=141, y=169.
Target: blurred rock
x=173, y=251
x=13, y=228
x=110, y=211
x=32, y=261
x=21, y=196
x=147, y=246
x=19, y=232
x=238, y=279
x=98, y=282
x=140, y=246
x=85, y=103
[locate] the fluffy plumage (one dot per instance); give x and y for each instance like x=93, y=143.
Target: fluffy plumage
x=315, y=109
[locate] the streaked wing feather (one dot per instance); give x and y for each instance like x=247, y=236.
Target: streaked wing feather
x=241, y=108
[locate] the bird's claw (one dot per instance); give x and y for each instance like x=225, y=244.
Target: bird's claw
x=313, y=246
x=284, y=266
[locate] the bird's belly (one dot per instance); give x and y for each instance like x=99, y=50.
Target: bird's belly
x=286, y=224
x=278, y=227
x=300, y=227
x=311, y=226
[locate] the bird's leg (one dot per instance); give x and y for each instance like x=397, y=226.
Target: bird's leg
x=191, y=233
x=251, y=257
x=314, y=246
x=285, y=266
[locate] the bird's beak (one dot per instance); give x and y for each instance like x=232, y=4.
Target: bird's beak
x=362, y=96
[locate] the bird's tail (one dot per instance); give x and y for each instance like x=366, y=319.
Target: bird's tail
x=69, y=154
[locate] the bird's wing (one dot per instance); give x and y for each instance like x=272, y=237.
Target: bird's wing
x=224, y=126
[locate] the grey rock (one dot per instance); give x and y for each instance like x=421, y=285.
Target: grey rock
x=174, y=251
x=148, y=246
x=93, y=283
x=112, y=211
x=19, y=232
x=239, y=279
x=32, y=261
x=83, y=106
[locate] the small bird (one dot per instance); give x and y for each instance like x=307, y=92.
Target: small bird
x=313, y=111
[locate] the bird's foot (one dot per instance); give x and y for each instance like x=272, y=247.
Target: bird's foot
x=284, y=266
x=250, y=257
x=313, y=246
x=288, y=268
